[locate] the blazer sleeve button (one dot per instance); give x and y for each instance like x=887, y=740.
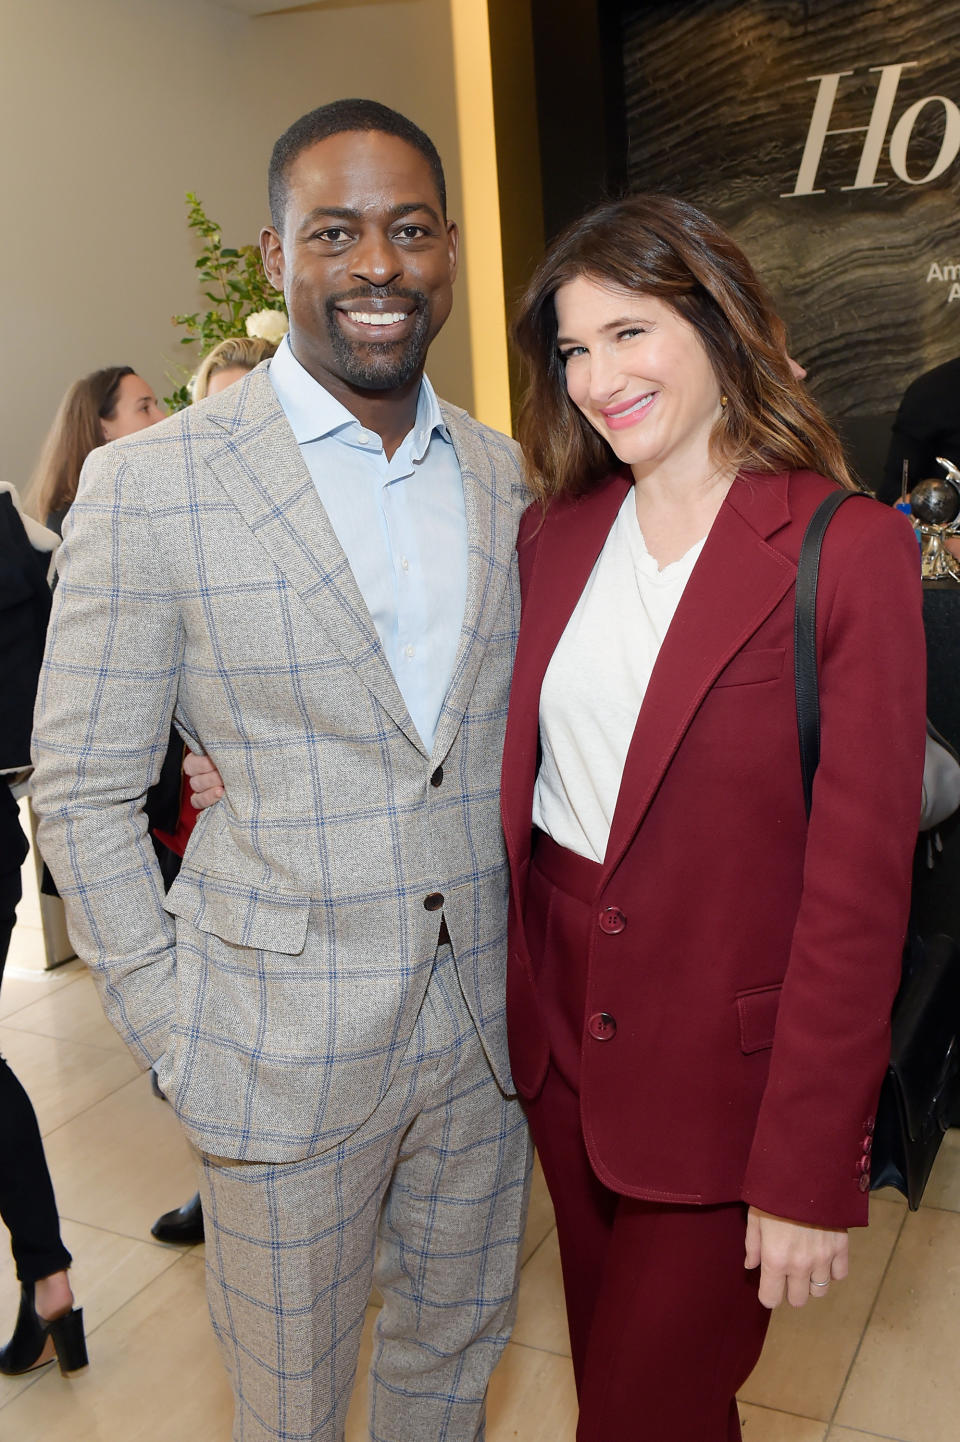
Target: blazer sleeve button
x=612, y=920
x=602, y=1026
x=433, y=901
x=864, y=1183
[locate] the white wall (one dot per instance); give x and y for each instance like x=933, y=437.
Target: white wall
x=111, y=109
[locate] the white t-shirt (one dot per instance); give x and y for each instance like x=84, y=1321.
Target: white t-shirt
x=596, y=681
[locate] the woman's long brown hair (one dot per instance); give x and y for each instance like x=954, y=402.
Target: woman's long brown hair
x=75, y=432
x=660, y=246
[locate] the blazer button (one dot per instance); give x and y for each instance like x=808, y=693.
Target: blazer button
x=864, y=1183
x=612, y=920
x=863, y=1165
x=602, y=1026
x=433, y=901
x=437, y=778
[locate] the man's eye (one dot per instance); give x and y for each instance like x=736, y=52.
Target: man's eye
x=412, y=232
x=334, y=234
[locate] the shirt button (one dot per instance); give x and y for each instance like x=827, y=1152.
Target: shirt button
x=409, y=652
x=404, y=563
x=612, y=920
x=602, y=1026
x=433, y=901
x=363, y=438
x=437, y=778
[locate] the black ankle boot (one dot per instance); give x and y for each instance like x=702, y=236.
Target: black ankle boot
x=183, y=1224
x=25, y=1347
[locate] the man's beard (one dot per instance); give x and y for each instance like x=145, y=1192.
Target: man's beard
x=380, y=365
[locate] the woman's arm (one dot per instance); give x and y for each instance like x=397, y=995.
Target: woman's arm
x=809, y=1161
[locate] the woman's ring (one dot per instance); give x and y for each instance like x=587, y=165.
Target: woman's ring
x=820, y=1284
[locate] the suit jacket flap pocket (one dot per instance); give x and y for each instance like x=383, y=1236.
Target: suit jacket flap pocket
x=749, y=667
x=241, y=915
x=758, y=1017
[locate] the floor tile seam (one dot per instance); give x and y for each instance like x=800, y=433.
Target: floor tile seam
x=66, y=1040
x=25, y=1386
x=92, y=1331
x=183, y=1248
x=866, y=1327
x=862, y=1432
x=783, y=1412
x=131, y=1081
x=532, y=1347
x=18, y=974
x=542, y=1242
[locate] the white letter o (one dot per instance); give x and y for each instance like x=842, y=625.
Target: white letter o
x=949, y=146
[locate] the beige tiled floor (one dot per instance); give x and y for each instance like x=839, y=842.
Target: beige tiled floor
x=877, y=1359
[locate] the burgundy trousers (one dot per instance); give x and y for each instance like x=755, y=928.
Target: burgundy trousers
x=665, y=1323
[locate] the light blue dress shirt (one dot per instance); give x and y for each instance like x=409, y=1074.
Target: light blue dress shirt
x=401, y=523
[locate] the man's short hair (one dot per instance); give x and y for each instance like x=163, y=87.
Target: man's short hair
x=335, y=119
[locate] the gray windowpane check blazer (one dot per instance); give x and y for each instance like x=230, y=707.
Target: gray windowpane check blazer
x=276, y=986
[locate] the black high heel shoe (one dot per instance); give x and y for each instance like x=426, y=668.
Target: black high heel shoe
x=25, y=1349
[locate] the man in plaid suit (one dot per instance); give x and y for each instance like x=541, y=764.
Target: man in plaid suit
x=313, y=574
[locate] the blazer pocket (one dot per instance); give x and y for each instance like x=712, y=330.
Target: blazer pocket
x=241, y=915
x=757, y=1011
x=750, y=667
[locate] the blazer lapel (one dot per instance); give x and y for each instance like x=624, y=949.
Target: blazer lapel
x=490, y=480
x=262, y=471
x=572, y=538
x=736, y=583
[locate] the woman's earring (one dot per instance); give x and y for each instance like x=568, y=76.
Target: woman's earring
x=723, y=402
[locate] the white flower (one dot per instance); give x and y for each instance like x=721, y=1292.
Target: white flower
x=268, y=325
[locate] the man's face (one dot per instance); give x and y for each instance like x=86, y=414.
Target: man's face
x=366, y=261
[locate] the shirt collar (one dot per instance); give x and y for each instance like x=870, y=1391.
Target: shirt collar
x=314, y=413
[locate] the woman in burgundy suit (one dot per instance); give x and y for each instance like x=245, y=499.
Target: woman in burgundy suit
x=700, y=982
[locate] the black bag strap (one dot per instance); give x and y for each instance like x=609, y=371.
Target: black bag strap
x=805, y=638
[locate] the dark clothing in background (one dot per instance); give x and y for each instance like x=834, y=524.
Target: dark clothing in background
x=927, y=425
x=27, y=1203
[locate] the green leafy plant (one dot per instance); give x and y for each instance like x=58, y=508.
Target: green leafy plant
x=233, y=281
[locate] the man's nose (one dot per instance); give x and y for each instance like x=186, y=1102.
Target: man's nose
x=376, y=260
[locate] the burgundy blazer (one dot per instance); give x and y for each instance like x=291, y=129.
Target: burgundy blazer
x=748, y=962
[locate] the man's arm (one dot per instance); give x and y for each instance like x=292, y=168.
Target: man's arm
x=106, y=696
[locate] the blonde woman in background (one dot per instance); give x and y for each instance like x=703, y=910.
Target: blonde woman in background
x=229, y=361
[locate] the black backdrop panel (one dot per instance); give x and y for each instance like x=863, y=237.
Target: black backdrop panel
x=721, y=100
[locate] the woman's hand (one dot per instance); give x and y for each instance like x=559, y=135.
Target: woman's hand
x=793, y=1257
x=205, y=780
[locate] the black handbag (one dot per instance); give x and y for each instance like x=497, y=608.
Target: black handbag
x=922, y=1086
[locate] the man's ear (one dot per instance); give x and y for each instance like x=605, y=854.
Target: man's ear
x=453, y=247
x=271, y=248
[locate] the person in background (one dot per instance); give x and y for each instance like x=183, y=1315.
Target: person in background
x=927, y=425
x=47, y=1322
x=100, y=407
x=230, y=360
x=699, y=980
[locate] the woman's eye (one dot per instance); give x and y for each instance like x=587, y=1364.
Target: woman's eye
x=630, y=332
x=570, y=352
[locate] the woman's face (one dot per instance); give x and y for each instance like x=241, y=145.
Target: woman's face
x=640, y=374
x=221, y=379
x=136, y=407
